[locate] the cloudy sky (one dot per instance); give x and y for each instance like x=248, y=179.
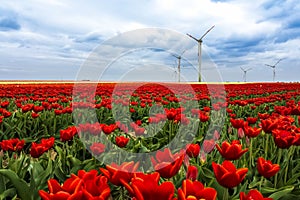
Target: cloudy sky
x=52, y=39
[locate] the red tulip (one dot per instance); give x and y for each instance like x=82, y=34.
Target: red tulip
x=237, y=123
x=55, y=191
x=251, y=120
x=208, y=145
x=231, y=151
x=232, y=115
x=94, y=129
x=27, y=108
x=1, y=119
x=253, y=195
x=216, y=135
x=48, y=143
x=120, y=174
x=266, y=168
x=192, y=172
x=146, y=187
x=171, y=114
x=97, y=148
x=203, y=117
x=108, y=129
x=206, y=109
x=193, y=150
x=138, y=122
x=251, y=132
x=34, y=115
x=296, y=141
x=6, y=113
x=283, y=138
x=227, y=175
x=4, y=104
x=122, y=141
x=68, y=134
x=14, y=144
x=268, y=125
x=85, y=185
x=38, y=109
x=37, y=150
x=58, y=112
x=166, y=163
x=263, y=116
x=193, y=190
x=241, y=133
x=181, y=118
x=139, y=130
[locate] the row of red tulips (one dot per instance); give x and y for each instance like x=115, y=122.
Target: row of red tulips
x=255, y=154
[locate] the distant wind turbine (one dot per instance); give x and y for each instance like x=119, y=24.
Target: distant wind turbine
x=178, y=66
x=245, y=73
x=200, y=49
x=274, y=66
x=175, y=72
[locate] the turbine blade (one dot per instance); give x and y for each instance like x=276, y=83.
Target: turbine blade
x=174, y=55
x=206, y=33
x=278, y=61
x=182, y=53
x=269, y=65
x=193, y=37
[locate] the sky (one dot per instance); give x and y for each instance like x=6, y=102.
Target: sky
x=54, y=40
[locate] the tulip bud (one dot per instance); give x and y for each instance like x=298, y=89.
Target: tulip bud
x=241, y=133
x=192, y=173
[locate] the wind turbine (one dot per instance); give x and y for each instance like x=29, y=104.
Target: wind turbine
x=178, y=66
x=200, y=50
x=245, y=73
x=175, y=71
x=274, y=66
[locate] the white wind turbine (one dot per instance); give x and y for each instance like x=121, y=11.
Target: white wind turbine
x=199, y=41
x=175, y=76
x=274, y=66
x=245, y=73
x=178, y=63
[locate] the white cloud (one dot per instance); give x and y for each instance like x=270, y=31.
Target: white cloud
x=62, y=33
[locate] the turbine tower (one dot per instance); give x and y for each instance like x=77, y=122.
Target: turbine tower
x=274, y=66
x=245, y=73
x=178, y=66
x=199, y=41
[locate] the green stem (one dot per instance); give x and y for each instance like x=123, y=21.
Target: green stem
x=226, y=194
x=261, y=182
x=267, y=146
x=286, y=172
x=278, y=161
x=54, y=125
x=290, y=158
x=251, y=152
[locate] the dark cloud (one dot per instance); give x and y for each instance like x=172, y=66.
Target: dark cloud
x=93, y=37
x=238, y=46
x=9, y=24
x=273, y=3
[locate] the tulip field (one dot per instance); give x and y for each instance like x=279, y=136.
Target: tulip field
x=65, y=140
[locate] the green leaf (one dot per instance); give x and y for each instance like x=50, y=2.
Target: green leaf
x=2, y=184
x=289, y=197
x=8, y=193
x=20, y=185
x=281, y=193
x=254, y=183
x=60, y=174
